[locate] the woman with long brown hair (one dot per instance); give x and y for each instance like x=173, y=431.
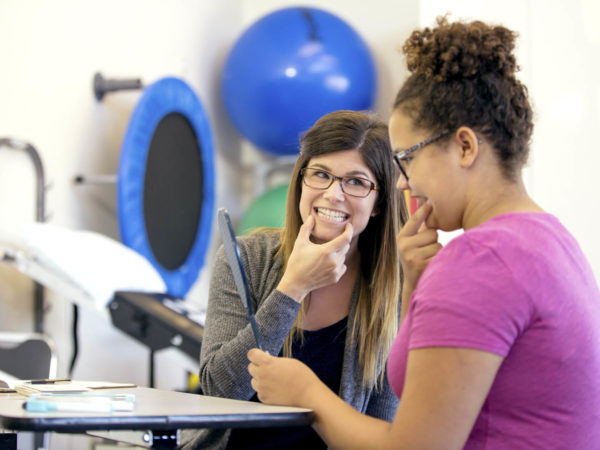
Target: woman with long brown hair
x=325, y=287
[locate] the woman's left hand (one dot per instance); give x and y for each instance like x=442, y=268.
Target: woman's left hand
x=281, y=381
x=417, y=245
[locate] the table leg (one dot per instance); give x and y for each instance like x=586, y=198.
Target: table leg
x=8, y=441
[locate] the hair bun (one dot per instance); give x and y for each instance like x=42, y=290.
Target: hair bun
x=461, y=50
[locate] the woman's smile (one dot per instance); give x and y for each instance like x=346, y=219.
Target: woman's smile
x=331, y=215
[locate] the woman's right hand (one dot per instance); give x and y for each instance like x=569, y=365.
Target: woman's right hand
x=282, y=381
x=417, y=245
x=312, y=266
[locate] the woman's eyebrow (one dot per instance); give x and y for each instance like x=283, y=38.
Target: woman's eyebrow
x=347, y=174
x=358, y=172
x=321, y=166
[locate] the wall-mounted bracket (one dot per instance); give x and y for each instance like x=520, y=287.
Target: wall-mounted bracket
x=103, y=85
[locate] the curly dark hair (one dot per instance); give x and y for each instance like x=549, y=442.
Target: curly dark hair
x=464, y=74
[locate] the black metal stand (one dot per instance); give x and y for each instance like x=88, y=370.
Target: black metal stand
x=146, y=318
x=151, y=369
x=165, y=439
x=8, y=441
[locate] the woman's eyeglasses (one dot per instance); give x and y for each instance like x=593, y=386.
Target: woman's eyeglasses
x=400, y=157
x=322, y=179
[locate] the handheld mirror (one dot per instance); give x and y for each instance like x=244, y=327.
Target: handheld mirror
x=232, y=252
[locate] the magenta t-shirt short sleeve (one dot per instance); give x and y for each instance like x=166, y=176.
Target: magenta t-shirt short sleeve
x=517, y=286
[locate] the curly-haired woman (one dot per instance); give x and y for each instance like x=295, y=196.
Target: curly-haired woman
x=499, y=345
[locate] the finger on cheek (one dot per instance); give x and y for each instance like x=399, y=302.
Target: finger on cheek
x=309, y=222
x=417, y=221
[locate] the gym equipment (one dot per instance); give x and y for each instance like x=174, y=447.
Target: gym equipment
x=27, y=355
x=165, y=188
x=40, y=216
x=165, y=201
x=165, y=180
x=288, y=69
x=268, y=210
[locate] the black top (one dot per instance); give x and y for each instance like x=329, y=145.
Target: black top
x=323, y=352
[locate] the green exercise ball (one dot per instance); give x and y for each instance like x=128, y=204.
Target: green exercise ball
x=268, y=210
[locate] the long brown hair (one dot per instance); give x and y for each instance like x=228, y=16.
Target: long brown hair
x=376, y=321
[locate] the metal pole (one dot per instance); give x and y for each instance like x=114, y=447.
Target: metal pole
x=40, y=216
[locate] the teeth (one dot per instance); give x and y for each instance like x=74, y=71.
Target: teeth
x=331, y=214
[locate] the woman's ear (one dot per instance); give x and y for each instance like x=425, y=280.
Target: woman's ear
x=469, y=146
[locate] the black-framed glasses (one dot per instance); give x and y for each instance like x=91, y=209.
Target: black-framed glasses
x=401, y=156
x=321, y=179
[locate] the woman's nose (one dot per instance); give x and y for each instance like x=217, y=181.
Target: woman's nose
x=335, y=191
x=402, y=183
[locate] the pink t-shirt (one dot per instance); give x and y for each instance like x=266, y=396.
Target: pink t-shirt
x=520, y=287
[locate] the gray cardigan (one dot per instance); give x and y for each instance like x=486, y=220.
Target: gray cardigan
x=228, y=335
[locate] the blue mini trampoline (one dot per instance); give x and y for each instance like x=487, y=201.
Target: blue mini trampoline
x=165, y=189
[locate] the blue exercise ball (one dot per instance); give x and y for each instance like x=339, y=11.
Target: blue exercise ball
x=288, y=69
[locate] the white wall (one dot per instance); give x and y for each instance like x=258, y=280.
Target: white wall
x=566, y=70
x=558, y=51
x=50, y=51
